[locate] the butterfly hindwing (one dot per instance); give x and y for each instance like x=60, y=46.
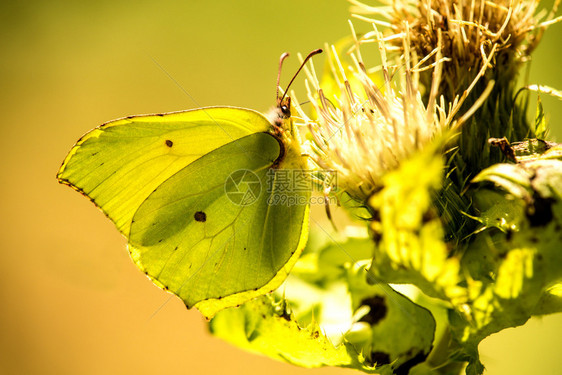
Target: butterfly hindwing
x=211, y=231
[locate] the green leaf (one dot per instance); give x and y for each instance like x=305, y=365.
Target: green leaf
x=540, y=120
x=266, y=326
x=509, y=177
x=550, y=301
x=401, y=332
x=501, y=213
x=326, y=256
x=514, y=274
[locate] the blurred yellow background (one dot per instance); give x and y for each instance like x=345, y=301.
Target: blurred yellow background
x=72, y=301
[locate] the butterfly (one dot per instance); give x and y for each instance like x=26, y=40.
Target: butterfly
x=197, y=195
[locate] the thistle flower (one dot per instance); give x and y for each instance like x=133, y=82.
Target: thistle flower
x=477, y=39
x=470, y=29
x=364, y=133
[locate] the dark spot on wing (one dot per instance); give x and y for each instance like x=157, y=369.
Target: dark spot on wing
x=175, y=248
x=380, y=358
x=169, y=143
x=160, y=114
x=130, y=117
x=200, y=216
x=377, y=311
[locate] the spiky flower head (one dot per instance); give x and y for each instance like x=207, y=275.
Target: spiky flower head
x=470, y=29
x=362, y=131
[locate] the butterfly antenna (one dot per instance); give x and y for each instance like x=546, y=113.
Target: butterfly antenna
x=315, y=52
x=283, y=57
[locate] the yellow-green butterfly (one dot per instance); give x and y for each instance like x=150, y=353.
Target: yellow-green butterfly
x=196, y=194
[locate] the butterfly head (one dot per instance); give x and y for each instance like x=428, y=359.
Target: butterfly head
x=280, y=118
x=284, y=107
x=282, y=111
x=281, y=115
x=282, y=123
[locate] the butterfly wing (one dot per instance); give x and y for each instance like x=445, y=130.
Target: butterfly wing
x=119, y=164
x=213, y=235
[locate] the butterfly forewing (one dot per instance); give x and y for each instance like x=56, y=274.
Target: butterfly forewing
x=118, y=164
